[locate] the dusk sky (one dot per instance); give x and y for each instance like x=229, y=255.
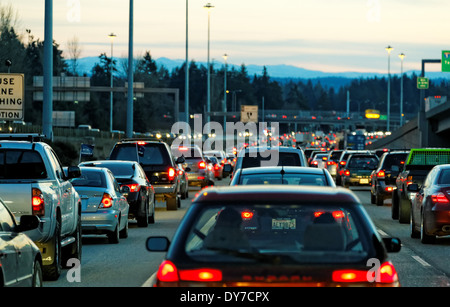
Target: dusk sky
x=326, y=35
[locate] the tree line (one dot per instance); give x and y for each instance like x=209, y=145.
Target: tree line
x=156, y=111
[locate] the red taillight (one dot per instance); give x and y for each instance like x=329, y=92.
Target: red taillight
x=246, y=214
x=37, y=202
x=168, y=272
x=342, y=163
x=133, y=187
x=314, y=162
x=381, y=174
x=106, y=201
x=203, y=274
x=346, y=172
x=389, y=189
x=385, y=274
x=171, y=173
x=201, y=164
x=338, y=214
x=439, y=198
x=331, y=163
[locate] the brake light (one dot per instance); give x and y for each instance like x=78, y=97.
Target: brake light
x=343, y=163
x=389, y=189
x=167, y=272
x=203, y=274
x=37, y=202
x=106, y=201
x=133, y=187
x=385, y=274
x=201, y=164
x=338, y=214
x=171, y=173
x=346, y=172
x=331, y=163
x=381, y=174
x=439, y=198
x=141, y=143
x=246, y=214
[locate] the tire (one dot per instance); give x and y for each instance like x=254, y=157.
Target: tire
x=37, y=274
x=372, y=198
x=142, y=221
x=53, y=271
x=172, y=203
x=379, y=201
x=151, y=218
x=394, y=207
x=113, y=237
x=412, y=225
x=424, y=237
x=123, y=234
x=404, y=211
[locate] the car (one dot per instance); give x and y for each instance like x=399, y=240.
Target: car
x=184, y=181
x=430, y=206
x=384, y=176
x=104, y=209
x=134, y=182
x=343, y=161
x=20, y=258
x=256, y=156
x=314, y=154
x=283, y=236
x=217, y=167
x=415, y=169
x=333, y=159
x=294, y=175
x=358, y=169
x=158, y=163
x=199, y=173
x=319, y=160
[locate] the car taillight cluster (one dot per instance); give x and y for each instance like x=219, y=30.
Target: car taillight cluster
x=168, y=272
x=346, y=172
x=202, y=165
x=171, y=173
x=106, y=201
x=439, y=198
x=37, y=202
x=134, y=187
x=381, y=174
x=386, y=273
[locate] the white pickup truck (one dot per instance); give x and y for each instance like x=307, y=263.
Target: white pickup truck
x=32, y=181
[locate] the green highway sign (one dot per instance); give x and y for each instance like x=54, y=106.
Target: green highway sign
x=445, y=61
x=422, y=83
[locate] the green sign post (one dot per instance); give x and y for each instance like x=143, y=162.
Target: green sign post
x=445, y=61
x=422, y=83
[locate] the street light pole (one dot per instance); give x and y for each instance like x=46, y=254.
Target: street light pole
x=389, y=49
x=130, y=73
x=224, y=106
x=111, y=36
x=402, y=56
x=208, y=94
x=186, y=90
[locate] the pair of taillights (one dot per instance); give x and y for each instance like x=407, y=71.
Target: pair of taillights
x=385, y=274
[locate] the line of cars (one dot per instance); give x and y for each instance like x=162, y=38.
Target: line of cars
x=279, y=223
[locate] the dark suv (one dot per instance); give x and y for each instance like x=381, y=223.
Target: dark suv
x=384, y=176
x=158, y=163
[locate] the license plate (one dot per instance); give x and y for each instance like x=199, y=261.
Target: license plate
x=363, y=181
x=278, y=224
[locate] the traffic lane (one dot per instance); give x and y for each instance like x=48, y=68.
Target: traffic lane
x=417, y=264
x=127, y=264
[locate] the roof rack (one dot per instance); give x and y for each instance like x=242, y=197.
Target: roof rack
x=30, y=137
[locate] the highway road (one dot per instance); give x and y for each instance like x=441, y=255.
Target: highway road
x=129, y=264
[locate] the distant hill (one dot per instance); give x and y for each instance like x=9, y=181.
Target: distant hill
x=276, y=72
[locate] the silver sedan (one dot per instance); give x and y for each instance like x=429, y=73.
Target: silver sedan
x=104, y=207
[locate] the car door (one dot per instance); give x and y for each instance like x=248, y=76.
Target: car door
x=8, y=252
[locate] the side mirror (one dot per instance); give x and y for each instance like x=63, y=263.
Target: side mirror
x=73, y=172
x=28, y=222
x=413, y=187
x=393, y=245
x=180, y=160
x=157, y=244
x=187, y=169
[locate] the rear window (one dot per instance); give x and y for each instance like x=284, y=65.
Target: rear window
x=284, y=159
x=118, y=169
x=312, y=234
x=394, y=159
x=90, y=178
x=444, y=177
x=291, y=179
x=363, y=162
x=21, y=164
x=147, y=154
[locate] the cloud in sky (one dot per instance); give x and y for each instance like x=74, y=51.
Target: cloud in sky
x=327, y=35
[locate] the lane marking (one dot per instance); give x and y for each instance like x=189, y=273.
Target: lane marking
x=421, y=261
x=381, y=232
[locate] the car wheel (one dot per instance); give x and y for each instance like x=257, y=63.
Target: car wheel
x=151, y=218
x=113, y=237
x=394, y=207
x=379, y=201
x=142, y=220
x=123, y=234
x=53, y=271
x=412, y=225
x=372, y=198
x=404, y=210
x=424, y=237
x=172, y=203
x=37, y=274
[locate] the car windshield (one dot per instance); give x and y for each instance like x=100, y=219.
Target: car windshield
x=288, y=233
x=295, y=179
x=89, y=178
